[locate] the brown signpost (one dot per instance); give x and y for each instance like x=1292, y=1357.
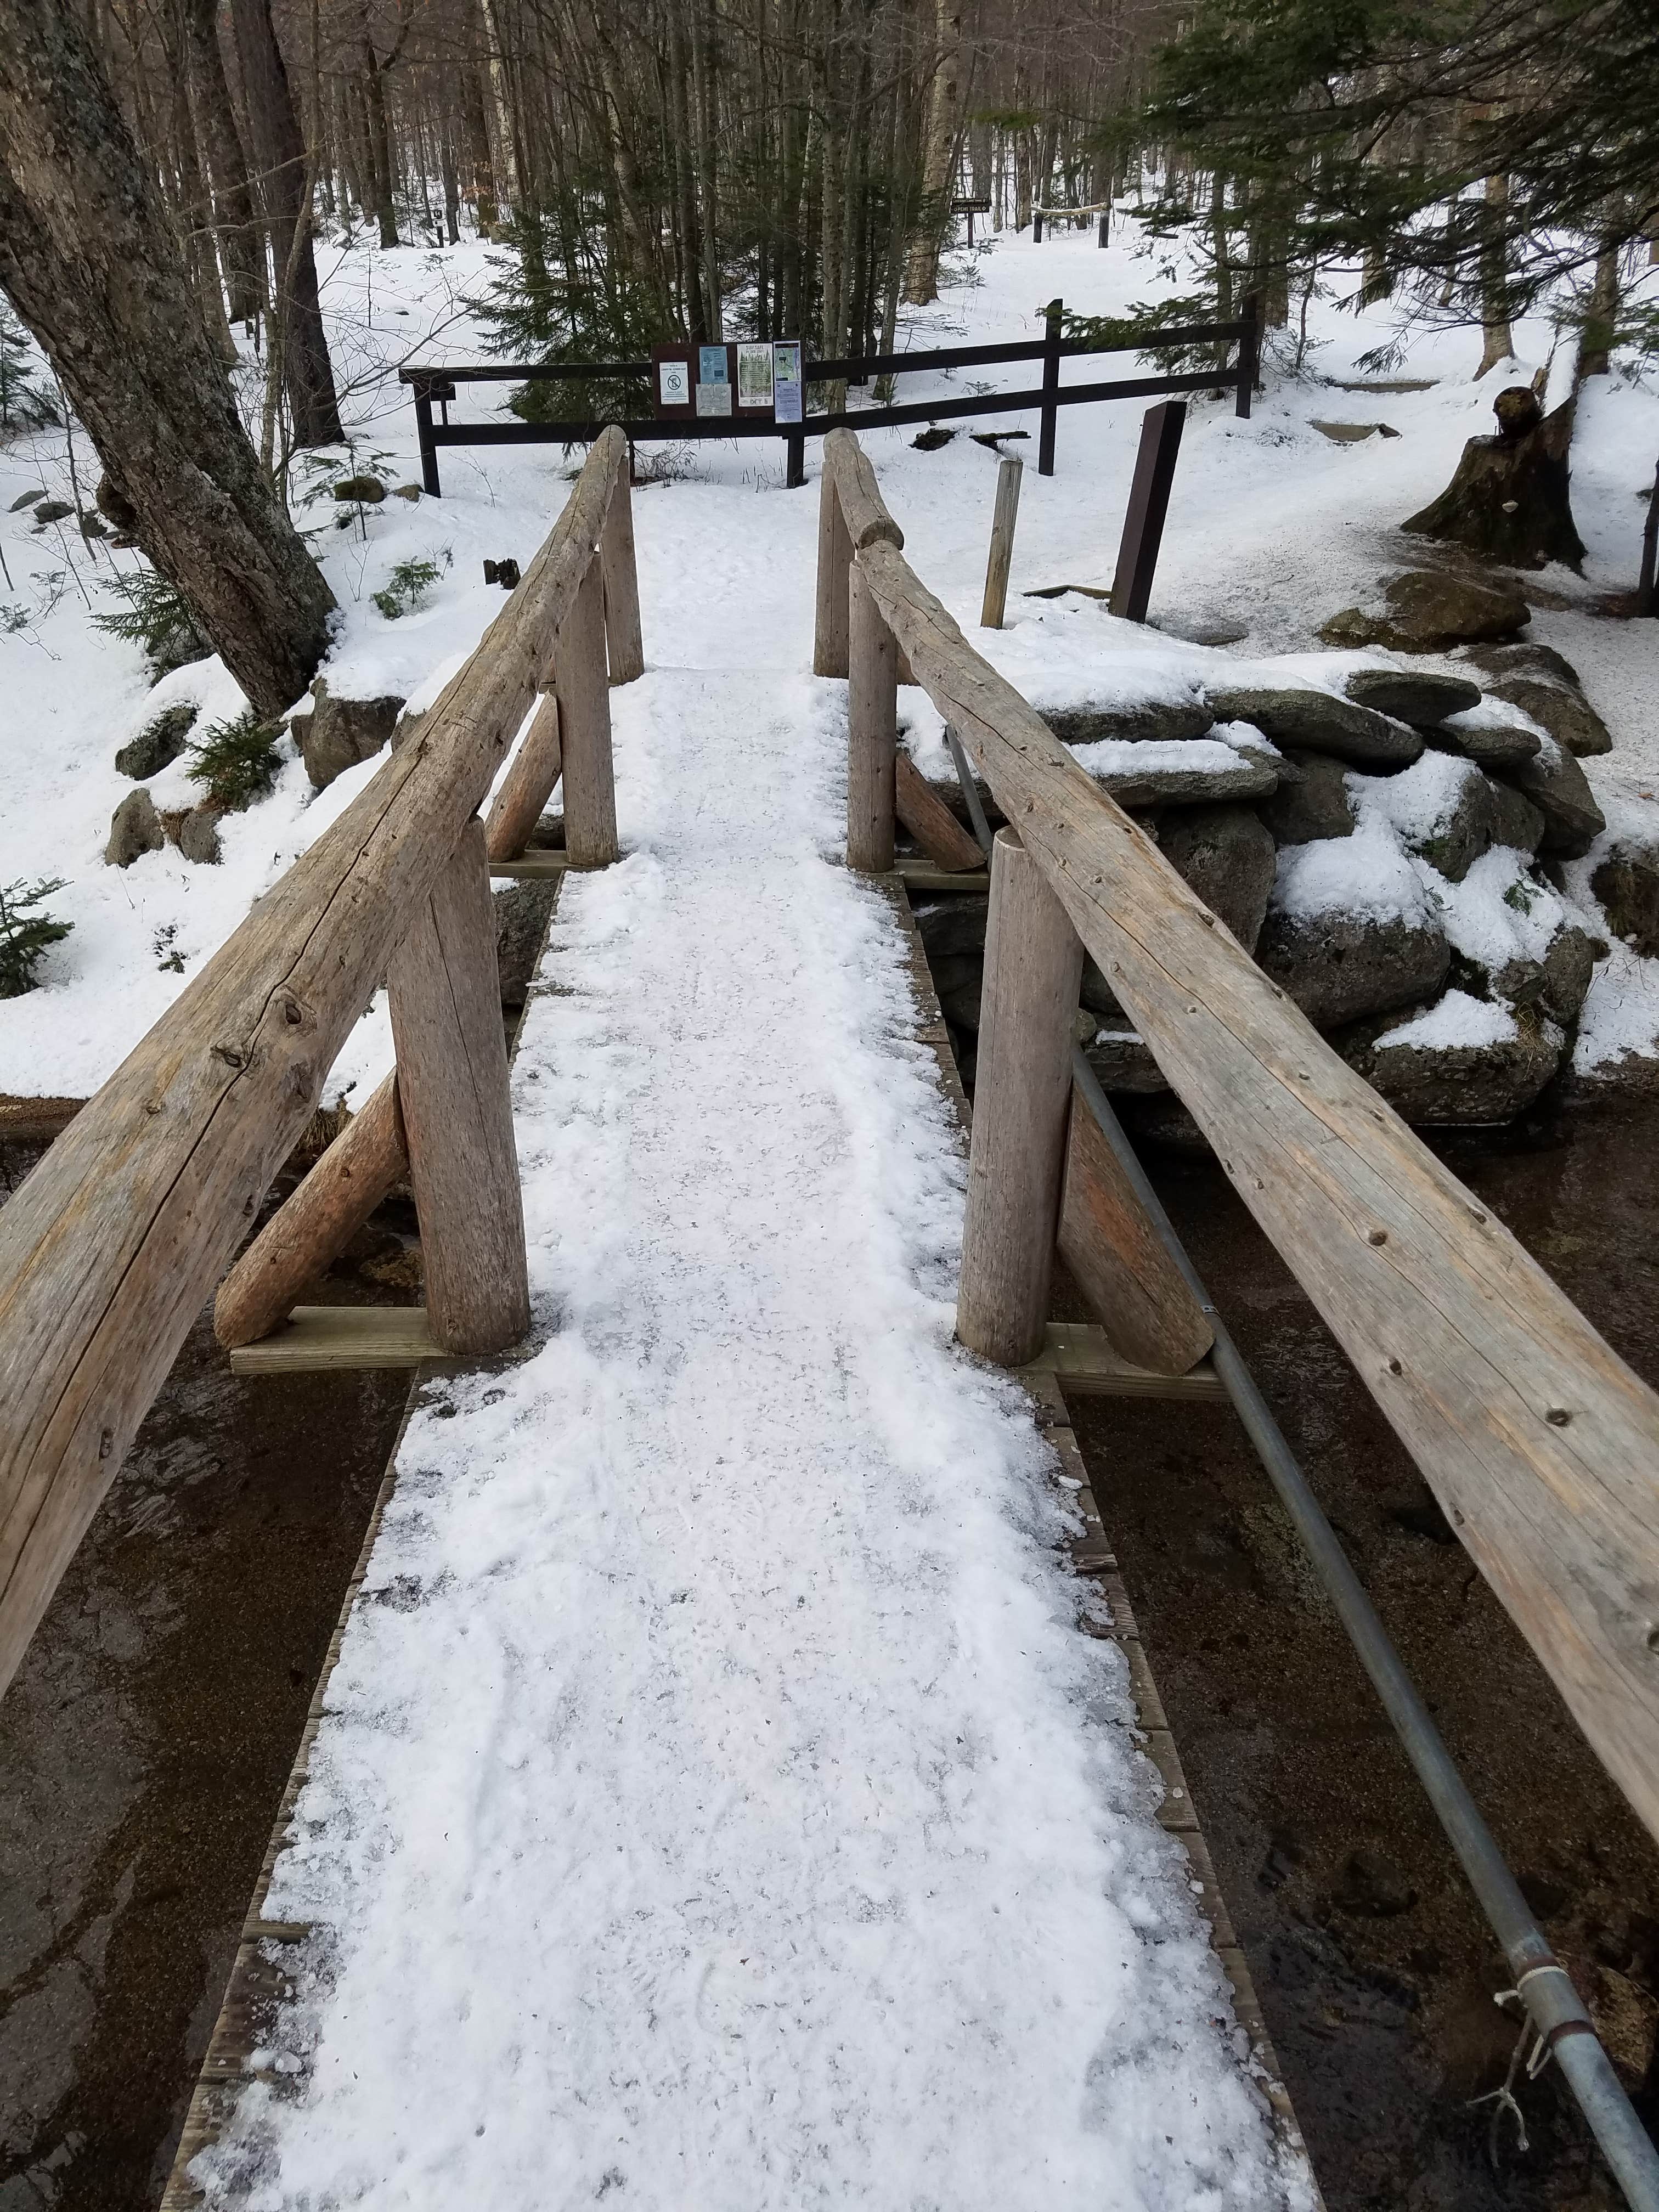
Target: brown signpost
x=1149, y=502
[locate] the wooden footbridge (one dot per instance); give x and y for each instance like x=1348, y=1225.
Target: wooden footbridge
x=1539, y=1444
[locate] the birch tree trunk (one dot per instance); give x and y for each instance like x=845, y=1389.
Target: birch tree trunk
x=943, y=118
x=1498, y=342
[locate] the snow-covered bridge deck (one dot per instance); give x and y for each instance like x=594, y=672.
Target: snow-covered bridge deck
x=716, y=1800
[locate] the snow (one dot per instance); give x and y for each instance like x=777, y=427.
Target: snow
x=716, y=1801
x=1420, y=800
x=1365, y=874
x=1271, y=528
x=1456, y=1019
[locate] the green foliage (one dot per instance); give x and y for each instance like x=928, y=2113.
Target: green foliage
x=154, y=615
x=551, y=305
x=24, y=933
x=24, y=404
x=407, y=586
x=1144, y=320
x=236, y=763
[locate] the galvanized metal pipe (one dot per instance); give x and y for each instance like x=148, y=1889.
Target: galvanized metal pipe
x=1546, y=1989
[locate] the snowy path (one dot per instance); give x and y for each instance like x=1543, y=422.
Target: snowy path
x=718, y=1806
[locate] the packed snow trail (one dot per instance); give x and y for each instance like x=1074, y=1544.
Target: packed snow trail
x=718, y=1806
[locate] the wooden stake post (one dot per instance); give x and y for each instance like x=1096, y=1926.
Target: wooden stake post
x=1149, y=502
x=452, y=1078
x=873, y=733
x=1002, y=560
x=581, y=685
x=1033, y=969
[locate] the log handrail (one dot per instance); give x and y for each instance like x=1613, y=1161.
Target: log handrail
x=114, y=1241
x=1540, y=1443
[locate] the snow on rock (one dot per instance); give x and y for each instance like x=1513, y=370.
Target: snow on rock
x=1455, y=1020
x=1366, y=875
x=716, y=1801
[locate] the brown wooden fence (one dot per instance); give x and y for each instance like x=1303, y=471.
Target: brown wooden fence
x=111, y=1246
x=1540, y=1443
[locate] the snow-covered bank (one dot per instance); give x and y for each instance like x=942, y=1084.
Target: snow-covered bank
x=718, y=1804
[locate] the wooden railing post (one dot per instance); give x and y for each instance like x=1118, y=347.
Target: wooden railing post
x=527, y=786
x=581, y=686
x=1002, y=560
x=446, y=1002
x=834, y=559
x=871, y=732
x=1249, y=354
x=1050, y=412
x=626, y=647
x=1033, y=969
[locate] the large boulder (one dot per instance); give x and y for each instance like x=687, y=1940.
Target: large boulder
x=158, y=744
x=1227, y=855
x=1560, y=708
x=1485, y=735
x=1189, y=774
x=134, y=828
x=1311, y=801
x=194, y=831
x=1462, y=1061
x=1419, y=697
x=1556, y=786
x=1152, y=721
x=1350, y=930
x=1627, y=884
x=1430, y=608
x=1440, y=809
x=1515, y=822
x=1523, y=654
x=1123, y=1064
x=1317, y=721
x=338, y=734
x=522, y=917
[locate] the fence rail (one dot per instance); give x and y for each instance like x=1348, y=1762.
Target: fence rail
x=435, y=385
x=113, y=1244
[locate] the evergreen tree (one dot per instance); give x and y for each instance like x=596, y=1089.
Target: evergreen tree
x=25, y=404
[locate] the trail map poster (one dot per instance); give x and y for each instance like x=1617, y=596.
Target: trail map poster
x=755, y=375
x=786, y=395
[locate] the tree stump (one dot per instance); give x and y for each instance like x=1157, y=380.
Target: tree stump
x=1509, y=498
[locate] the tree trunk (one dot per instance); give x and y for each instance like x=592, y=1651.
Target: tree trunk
x=477, y=147
x=240, y=245
x=88, y=257
x=921, y=270
x=380, y=147
x=1508, y=499
x=307, y=373
x=1601, y=318
x=1499, y=342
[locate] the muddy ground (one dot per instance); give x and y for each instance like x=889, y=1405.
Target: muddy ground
x=144, y=1746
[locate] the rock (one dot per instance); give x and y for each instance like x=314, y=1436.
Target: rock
x=1556, y=785
x=1560, y=708
x=134, y=828
x=1430, y=1078
x=950, y=927
x=365, y=491
x=1226, y=854
x=1339, y=966
x=1311, y=801
x=1210, y=771
x=1482, y=736
x=197, y=835
x=1350, y=434
x=547, y=836
x=157, y=744
x=1096, y=994
x=26, y=499
x=1627, y=884
x=1420, y=698
x=1154, y=721
x=52, y=510
x=338, y=734
x=521, y=915
x=1123, y=1063
x=409, y=491
x=957, y=979
x=1441, y=809
x=930, y=440
x=1430, y=608
x=1523, y=655
x=1515, y=822
x=1318, y=722
x=1162, y=1120
x=1373, y=1888
x=1569, y=965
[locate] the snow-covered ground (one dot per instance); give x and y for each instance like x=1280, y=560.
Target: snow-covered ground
x=718, y=1804
x=1271, y=527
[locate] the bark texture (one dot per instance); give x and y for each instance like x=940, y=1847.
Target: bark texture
x=1508, y=499
x=240, y=244
x=90, y=259
x=307, y=374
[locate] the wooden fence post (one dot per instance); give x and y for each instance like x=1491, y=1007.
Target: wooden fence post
x=1050, y=388
x=1003, y=518
x=1149, y=502
x=1036, y=226
x=622, y=585
x=527, y=786
x=424, y=438
x=581, y=687
x=446, y=1002
x=1647, y=597
x=834, y=559
x=1249, y=354
x=794, y=460
x=1103, y=238
x=871, y=732
x=1033, y=969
